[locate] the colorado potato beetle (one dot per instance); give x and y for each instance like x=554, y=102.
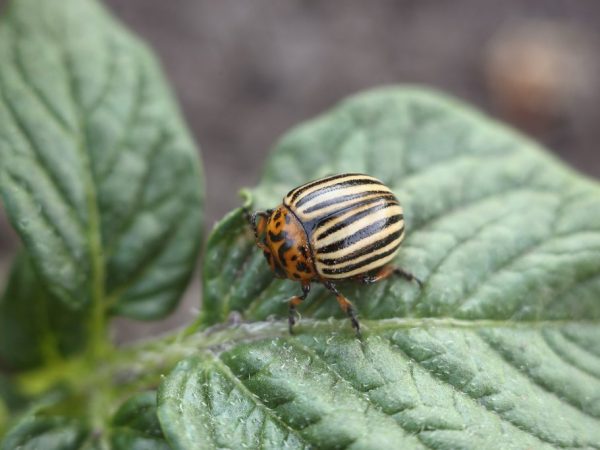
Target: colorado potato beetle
x=337, y=228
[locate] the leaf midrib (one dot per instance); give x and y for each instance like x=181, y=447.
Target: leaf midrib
x=279, y=329
x=93, y=233
x=221, y=337
x=374, y=326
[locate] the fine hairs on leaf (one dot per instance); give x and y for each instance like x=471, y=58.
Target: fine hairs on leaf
x=500, y=348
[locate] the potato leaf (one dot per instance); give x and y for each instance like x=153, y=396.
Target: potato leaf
x=97, y=172
x=498, y=350
x=409, y=383
x=135, y=426
x=35, y=327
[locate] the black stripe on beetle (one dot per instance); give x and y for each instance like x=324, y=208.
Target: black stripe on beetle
x=299, y=190
x=365, y=262
x=365, y=250
x=353, y=218
x=367, y=231
x=335, y=187
x=342, y=198
x=334, y=216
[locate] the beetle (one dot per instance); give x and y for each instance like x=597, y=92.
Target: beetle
x=341, y=227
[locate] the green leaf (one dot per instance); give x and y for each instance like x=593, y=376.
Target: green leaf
x=407, y=384
x=97, y=172
x=135, y=426
x=35, y=327
x=48, y=433
x=495, y=227
x=9, y=399
x=46, y=426
x=500, y=349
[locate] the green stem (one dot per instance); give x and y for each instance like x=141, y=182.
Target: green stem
x=99, y=343
x=142, y=364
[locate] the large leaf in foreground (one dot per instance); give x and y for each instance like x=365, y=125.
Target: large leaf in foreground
x=98, y=174
x=498, y=350
x=407, y=384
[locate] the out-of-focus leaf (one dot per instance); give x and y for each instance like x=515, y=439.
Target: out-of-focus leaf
x=11, y=401
x=47, y=433
x=97, y=172
x=35, y=327
x=136, y=427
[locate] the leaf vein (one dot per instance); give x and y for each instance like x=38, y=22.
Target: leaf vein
x=39, y=160
x=339, y=377
x=138, y=196
x=538, y=382
x=580, y=345
x=150, y=259
x=45, y=217
x=111, y=71
x=226, y=371
x=476, y=400
x=561, y=355
x=35, y=91
x=129, y=124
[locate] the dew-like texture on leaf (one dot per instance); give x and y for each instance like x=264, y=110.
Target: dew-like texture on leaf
x=204, y=405
x=135, y=425
x=97, y=172
x=402, y=386
x=495, y=227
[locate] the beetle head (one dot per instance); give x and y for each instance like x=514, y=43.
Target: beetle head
x=259, y=221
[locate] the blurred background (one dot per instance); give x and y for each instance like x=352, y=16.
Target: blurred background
x=246, y=71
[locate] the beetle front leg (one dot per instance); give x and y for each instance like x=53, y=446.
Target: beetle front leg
x=295, y=301
x=346, y=306
x=388, y=271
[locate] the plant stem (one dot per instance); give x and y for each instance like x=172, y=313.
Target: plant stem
x=141, y=364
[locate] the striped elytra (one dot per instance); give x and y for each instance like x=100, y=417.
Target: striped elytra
x=353, y=222
x=341, y=227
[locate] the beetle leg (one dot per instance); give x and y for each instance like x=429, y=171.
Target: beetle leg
x=295, y=301
x=398, y=271
x=386, y=272
x=346, y=306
